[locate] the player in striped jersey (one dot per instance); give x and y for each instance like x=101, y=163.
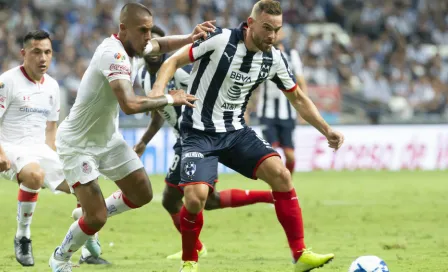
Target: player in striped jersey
x=172, y=195
x=228, y=66
x=277, y=116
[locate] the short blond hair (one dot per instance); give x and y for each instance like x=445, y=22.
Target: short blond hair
x=271, y=7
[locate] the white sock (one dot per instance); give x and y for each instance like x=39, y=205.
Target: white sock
x=27, y=201
x=73, y=240
x=117, y=203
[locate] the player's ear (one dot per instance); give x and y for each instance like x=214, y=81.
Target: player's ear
x=123, y=28
x=250, y=21
x=22, y=52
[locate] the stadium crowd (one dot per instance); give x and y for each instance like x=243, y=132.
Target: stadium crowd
x=394, y=59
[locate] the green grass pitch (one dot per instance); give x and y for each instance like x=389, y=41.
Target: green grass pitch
x=401, y=217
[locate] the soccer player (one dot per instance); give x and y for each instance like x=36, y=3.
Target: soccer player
x=277, y=116
x=29, y=111
x=88, y=141
x=228, y=66
x=172, y=195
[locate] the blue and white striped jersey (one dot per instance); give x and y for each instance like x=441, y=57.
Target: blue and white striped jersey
x=171, y=114
x=224, y=75
x=272, y=104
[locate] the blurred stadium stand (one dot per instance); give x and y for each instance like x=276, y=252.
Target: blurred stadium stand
x=377, y=61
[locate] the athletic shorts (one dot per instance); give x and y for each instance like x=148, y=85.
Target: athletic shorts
x=241, y=150
x=84, y=164
x=42, y=154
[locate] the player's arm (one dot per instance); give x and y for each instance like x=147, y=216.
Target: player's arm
x=50, y=134
x=5, y=164
x=304, y=106
x=152, y=129
x=171, y=43
x=169, y=67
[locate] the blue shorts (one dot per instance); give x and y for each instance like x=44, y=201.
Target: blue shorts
x=279, y=133
x=172, y=178
x=241, y=150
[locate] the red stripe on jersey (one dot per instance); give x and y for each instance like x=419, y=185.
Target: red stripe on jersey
x=290, y=90
x=191, y=54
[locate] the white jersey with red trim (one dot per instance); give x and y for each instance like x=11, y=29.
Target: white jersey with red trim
x=26, y=106
x=93, y=119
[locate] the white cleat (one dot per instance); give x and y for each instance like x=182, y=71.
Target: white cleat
x=59, y=266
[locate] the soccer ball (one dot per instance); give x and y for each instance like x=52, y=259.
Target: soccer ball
x=368, y=264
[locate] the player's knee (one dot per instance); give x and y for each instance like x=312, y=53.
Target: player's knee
x=282, y=180
x=96, y=220
x=35, y=180
x=195, y=203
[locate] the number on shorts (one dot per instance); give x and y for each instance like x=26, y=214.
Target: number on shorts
x=175, y=162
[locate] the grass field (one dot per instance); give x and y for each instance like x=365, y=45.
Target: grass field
x=401, y=217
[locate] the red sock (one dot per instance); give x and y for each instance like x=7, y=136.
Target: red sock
x=290, y=166
x=237, y=198
x=190, y=225
x=289, y=215
x=176, y=222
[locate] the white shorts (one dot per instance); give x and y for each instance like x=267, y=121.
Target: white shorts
x=42, y=154
x=84, y=164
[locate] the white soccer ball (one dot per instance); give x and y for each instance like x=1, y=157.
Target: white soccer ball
x=368, y=264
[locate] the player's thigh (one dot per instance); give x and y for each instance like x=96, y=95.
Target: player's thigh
x=32, y=176
x=270, y=133
x=248, y=152
x=79, y=165
x=119, y=160
x=52, y=166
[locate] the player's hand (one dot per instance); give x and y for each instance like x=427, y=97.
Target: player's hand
x=335, y=139
x=5, y=164
x=182, y=98
x=202, y=30
x=140, y=148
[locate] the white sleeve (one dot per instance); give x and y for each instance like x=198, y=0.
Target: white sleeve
x=115, y=65
x=6, y=94
x=201, y=47
x=283, y=78
x=181, y=78
x=296, y=63
x=54, y=115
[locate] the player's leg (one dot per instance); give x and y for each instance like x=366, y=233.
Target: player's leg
x=286, y=132
x=93, y=219
x=289, y=213
x=172, y=200
x=199, y=166
x=257, y=159
x=31, y=178
x=233, y=198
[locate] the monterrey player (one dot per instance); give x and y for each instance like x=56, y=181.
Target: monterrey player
x=228, y=66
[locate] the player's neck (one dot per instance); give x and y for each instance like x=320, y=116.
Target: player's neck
x=250, y=45
x=128, y=50
x=31, y=75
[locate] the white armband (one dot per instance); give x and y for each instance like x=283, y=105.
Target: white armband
x=170, y=99
x=148, y=49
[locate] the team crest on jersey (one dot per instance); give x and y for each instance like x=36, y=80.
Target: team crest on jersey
x=119, y=56
x=190, y=169
x=2, y=98
x=86, y=168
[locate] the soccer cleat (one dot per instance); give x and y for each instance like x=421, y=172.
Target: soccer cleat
x=310, y=260
x=93, y=260
x=59, y=266
x=189, y=266
x=24, y=251
x=178, y=255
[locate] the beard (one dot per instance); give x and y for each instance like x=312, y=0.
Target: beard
x=259, y=43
